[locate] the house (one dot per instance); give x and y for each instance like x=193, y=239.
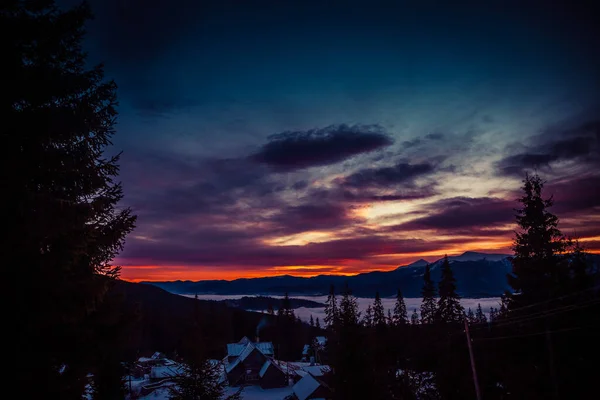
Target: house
x=252, y=363
x=235, y=349
x=310, y=387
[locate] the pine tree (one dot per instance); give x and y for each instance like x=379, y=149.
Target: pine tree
x=449, y=309
x=200, y=380
x=318, y=323
x=348, y=311
x=346, y=351
x=471, y=317
x=493, y=314
x=378, y=311
x=331, y=310
x=62, y=212
x=197, y=378
x=368, y=317
x=400, y=315
x=480, y=317
x=429, y=305
x=414, y=318
x=312, y=321
x=389, y=320
x=538, y=271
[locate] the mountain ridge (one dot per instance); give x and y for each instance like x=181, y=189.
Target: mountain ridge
x=478, y=274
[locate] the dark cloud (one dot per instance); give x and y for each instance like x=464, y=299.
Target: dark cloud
x=411, y=143
x=313, y=216
x=290, y=151
x=254, y=253
x=581, y=143
x=575, y=196
x=463, y=212
x=435, y=136
x=402, y=173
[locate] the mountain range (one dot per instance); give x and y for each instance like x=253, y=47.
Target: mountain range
x=477, y=275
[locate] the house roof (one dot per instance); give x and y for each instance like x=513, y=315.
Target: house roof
x=235, y=349
x=265, y=347
x=317, y=370
x=164, y=371
x=243, y=355
x=305, y=387
x=244, y=340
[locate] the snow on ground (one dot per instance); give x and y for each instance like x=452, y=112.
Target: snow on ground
x=388, y=303
x=257, y=393
x=249, y=393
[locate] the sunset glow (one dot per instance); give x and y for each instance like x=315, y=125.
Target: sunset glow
x=289, y=147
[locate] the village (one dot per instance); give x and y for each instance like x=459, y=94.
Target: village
x=247, y=365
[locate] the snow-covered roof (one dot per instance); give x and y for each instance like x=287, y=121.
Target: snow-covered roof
x=305, y=387
x=265, y=347
x=321, y=340
x=163, y=371
x=235, y=349
x=244, y=340
x=317, y=370
x=157, y=355
x=300, y=372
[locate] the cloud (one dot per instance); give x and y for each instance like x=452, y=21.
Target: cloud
x=313, y=216
x=435, y=136
x=291, y=151
x=575, y=196
x=403, y=173
x=458, y=213
x=253, y=253
x=581, y=144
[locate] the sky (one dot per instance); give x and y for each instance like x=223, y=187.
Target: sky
x=310, y=137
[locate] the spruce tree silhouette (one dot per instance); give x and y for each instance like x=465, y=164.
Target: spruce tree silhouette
x=61, y=203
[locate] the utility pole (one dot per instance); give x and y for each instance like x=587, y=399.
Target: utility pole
x=473, y=369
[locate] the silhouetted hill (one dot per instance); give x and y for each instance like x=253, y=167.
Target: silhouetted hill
x=477, y=275
x=161, y=320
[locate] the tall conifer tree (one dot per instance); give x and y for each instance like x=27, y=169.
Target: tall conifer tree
x=400, y=316
x=62, y=212
x=378, y=311
x=449, y=309
x=331, y=309
x=429, y=305
x=480, y=317
x=539, y=271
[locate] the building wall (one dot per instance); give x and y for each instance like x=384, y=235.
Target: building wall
x=273, y=378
